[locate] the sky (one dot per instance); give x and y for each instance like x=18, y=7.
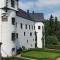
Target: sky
x=47, y=7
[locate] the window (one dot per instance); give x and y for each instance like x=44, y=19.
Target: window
x=13, y=49
x=33, y=39
x=42, y=28
x=26, y=26
x=4, y=18
x=38, y=27
x=21, y=26
x=16, y=24
x=16, y=35
x=13, y=21
x=27, y=41
x=30, y=33
x=31, y=45
x=29, y=26
x=13, y=36
x=13, y=3
x=24, y=33
x=34, y=27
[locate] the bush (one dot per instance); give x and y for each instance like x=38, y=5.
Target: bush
x=23, y=47
x=51, y=40
x=19, y=50
x=54, y=47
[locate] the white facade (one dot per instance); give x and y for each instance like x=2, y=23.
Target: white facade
x=39, y=33
x=27, y=41
x=7, y=28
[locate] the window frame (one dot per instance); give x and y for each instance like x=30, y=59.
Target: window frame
x=13, y=36
x=13, y=3
x=39, y=27
x=13, y=21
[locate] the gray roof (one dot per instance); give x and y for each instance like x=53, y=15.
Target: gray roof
x=37, y=17
x=23, y=14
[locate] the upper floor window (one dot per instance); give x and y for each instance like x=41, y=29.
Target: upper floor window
x=16, y=24
x=38, y=27
x=13, y=36
x=34, y=27
x=29, y=26
x=21, y=25
x=27, y=41
x=30, y=33
x=16, y=35
x=4, y=18
x=13, y=3
x=24, y=33
x=26, y=26
x=13, y=21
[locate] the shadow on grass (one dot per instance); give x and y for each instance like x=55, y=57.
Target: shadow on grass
x=42, y=59
x=13, y=58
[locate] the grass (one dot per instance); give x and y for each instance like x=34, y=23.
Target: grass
x=13, y=58
x=41, y=54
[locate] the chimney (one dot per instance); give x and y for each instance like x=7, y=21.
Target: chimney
x=28, y=12
x=32, y=12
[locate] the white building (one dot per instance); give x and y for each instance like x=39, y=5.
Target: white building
x=18, y=28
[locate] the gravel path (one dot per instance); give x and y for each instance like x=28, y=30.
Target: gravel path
x=19, y=56
x=58, y=59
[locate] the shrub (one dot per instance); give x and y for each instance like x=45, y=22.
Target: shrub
x=19, y=50
x=51, y=40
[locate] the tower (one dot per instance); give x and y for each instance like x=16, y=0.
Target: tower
x=8, y=10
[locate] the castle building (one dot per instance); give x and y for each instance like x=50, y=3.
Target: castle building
x=19, y=29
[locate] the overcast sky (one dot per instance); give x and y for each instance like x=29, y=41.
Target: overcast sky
x=48, y=7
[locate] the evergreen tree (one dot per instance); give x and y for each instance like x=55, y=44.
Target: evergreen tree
x=56, y=23
x=51, y=25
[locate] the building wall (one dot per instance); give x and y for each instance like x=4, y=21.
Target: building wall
x=6, y=29
x=39, y=33
x=2, y=3
x=22, y=40
x=9, y=5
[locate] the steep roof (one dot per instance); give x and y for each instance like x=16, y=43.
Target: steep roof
x=37, y=17
x=23, y=14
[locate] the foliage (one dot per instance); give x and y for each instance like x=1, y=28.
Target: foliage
x=56, y=23
x=41, y=54
x=51, y=40
x=52, y=31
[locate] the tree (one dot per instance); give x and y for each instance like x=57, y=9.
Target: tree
x=51, y=25
x=56, y=23
x=52, y=40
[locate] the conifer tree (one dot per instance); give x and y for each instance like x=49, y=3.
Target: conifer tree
x=56, y=23
x=51, y=24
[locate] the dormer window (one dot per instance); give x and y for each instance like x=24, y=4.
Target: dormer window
x=13, y=3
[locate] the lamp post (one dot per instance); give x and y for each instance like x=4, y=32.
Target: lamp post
x=0, y=51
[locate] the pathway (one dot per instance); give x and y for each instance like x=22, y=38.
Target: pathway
x=19, y=56
x=58, y=59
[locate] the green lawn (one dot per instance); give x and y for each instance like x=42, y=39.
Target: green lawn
x=13, y=59
x=39, y=54
x=43, y=55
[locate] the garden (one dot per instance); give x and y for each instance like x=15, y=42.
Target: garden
x=41, y=54
x=38, y=54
